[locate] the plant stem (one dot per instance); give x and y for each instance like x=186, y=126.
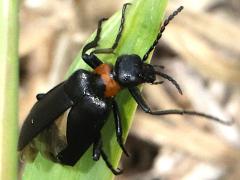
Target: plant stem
x=9, y=88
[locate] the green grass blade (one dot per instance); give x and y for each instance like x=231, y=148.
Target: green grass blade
x=143, y=21
x=9, y=88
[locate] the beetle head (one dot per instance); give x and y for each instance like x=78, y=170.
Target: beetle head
x=131, y=71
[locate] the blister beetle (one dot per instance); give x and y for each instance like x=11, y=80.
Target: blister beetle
x=88, y=97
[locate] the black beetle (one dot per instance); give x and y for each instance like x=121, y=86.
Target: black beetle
x=88, y=98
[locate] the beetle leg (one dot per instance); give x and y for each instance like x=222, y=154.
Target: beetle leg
x=121, y=26
x=97, y=145
x=103, y=51
x=118, y=126
x=97, y=151
x=115, y=44
x=141, y=102
x=109, y=165
x=40, y=96
x=92, y=60
x=94, y=42
x=165, y=23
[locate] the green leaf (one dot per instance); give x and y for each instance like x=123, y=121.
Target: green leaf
x=9, y=88
x=143, y=20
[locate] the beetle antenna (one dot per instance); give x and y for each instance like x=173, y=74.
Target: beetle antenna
x=169, y=78
x=165, y=23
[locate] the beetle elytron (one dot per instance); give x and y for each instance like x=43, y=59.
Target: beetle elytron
x=88, y=98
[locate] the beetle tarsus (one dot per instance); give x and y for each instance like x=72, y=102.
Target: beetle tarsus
x=120, y=142
x=115, y=44
x=94, y=42
x=109, y=165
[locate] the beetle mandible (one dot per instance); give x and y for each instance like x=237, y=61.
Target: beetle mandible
x=89, y=97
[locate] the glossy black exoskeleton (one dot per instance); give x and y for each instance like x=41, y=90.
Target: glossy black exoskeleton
x=87, y=98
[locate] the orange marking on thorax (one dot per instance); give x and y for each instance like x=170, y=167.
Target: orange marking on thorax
x=112, y=87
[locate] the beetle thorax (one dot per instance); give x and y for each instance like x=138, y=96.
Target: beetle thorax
x=111, y=86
